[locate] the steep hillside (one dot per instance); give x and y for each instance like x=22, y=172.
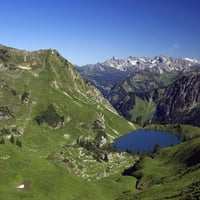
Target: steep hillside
x=31, y=81
x=175, y=103
x=145, y=80
x=180, y=102
x=48, y=116
x=135, y=87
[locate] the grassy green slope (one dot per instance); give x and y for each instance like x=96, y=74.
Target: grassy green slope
x=54, y=82
x=50, y=162
x=46, y=78
x=142, y=110
x=172, y=173
x=44, y=180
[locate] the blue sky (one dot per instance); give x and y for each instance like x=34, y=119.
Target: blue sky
x=90, y=31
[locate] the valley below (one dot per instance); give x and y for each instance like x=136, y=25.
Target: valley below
x=57, y=130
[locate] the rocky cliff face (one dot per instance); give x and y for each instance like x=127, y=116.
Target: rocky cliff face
x=180, y=102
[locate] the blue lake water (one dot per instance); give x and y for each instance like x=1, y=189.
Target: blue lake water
x=145, y=140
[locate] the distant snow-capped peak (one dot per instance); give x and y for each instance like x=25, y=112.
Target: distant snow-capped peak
x=157, y=63
x=192, y=60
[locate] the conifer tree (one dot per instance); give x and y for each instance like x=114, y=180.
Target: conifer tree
x=12, y=139
x=18, y=143
x=2, y=141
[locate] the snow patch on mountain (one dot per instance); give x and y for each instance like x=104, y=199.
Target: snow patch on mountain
x=192, y=60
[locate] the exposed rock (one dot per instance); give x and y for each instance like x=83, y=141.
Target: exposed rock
x=103, y=141
x=5, y=113
x=179, y=102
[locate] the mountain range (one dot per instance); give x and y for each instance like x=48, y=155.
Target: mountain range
x=137, y=95
x=106, y=74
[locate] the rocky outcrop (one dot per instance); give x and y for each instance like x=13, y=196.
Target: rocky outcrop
x=5, y=113
x=180, y=102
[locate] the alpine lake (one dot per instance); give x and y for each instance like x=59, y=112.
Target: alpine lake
x=144, y=141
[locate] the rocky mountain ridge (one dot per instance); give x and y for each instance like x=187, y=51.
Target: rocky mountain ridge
x=157, y=64
x=107, y=74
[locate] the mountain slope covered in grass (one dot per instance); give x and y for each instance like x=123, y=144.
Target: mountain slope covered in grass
x=45, y=107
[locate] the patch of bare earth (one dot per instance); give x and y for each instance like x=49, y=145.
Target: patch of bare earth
x=66, y=136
